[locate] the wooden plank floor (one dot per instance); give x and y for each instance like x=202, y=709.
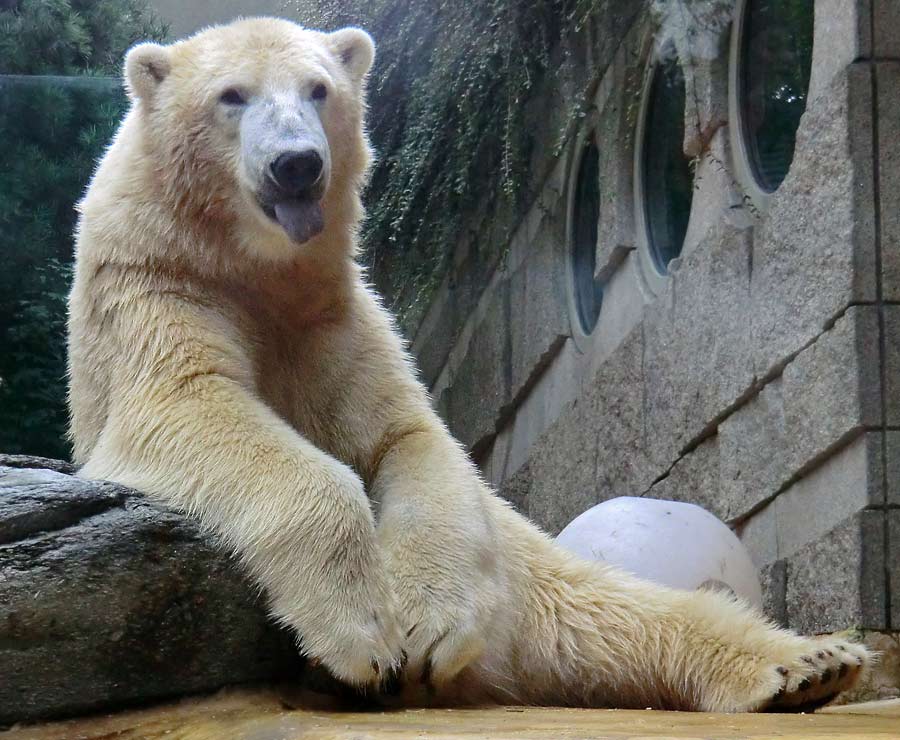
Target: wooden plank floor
x=259, y=715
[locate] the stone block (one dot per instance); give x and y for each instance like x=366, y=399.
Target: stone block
x=538, y=321
x=698, y=360
x=694, y=479
x=837, y=581
x=842, y=35
x=593, y=451
x=840, y=487
x=560, y=479
x=892, y=461
x=893, y=564
x=813, y=251
x=888, y=79
x=892, y=364
x=773, y=579
x=615, y=410
x=615, y=132
x=825, y=396
x=753, y=443
x=832, y=389
x=759, y=534
x=107, y=599
x=886, y=24
x=479, y=387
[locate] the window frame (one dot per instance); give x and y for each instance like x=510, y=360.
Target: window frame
x=653, y=280
x=588, y=133
x=742, y=158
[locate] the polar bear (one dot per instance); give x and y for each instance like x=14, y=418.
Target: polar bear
x=228, y=358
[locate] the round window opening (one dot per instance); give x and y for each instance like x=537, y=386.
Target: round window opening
x=668, y=183
x=775, y=60
x=586, y=216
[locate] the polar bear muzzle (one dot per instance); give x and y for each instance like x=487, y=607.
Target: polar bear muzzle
x=297, y=176
x=285, y=154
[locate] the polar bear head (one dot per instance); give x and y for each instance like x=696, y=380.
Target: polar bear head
x=257, y=125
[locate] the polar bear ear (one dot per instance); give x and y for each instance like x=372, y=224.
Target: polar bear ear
x=355, y=50
x=146, y=65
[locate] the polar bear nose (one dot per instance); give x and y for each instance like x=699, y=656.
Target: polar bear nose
x=297, y=172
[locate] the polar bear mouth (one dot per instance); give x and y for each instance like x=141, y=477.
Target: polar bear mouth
x=301, y=218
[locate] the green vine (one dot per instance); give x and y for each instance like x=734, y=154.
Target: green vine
x=449, y=95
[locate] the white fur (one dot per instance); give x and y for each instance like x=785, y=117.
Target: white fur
x=260, y=386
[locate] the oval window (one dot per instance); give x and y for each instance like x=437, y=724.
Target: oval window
x=668, y=183
x=588, y=292
x=775, y=61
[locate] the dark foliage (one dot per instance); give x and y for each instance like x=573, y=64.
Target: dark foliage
x=52, y=130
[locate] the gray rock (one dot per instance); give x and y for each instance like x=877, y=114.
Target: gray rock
x=31, y=461
x=888, y=79
x=107, y=599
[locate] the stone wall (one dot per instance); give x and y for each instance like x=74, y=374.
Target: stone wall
x=760, y=379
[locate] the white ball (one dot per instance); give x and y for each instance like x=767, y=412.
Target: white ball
x=671, y=543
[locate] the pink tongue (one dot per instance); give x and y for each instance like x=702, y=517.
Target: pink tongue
x=301, y=219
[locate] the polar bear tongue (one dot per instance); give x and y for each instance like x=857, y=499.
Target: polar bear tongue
x=301, y=219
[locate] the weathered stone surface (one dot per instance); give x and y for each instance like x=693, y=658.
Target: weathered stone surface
x=615, y=134
x=844, y=484
x=560, y=480
x=752, y=444
x=695, y=479
x=893, y=568
x=480, y=385
x=842, y=35
x=888, y=79
x=832, y=388
x=31, y=461
x=813, y=253
x=697, y=360
x=827, y=394
x=626, y=464
x=892, y=477
x=593, y=451
x=885, y=25
x=892, y=364
x=759, y=534
x=837, y=581
x=106, y=599
x=773, y=579
x=537, y=325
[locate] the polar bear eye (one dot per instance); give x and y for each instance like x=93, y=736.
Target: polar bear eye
x=232, y=96
x=319, y=92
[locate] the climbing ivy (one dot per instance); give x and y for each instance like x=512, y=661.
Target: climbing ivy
x=448, y=99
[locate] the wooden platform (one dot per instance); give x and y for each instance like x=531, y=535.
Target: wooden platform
x=259, y=715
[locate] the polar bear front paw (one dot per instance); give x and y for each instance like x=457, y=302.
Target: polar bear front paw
x=439, y=649
x=365, y=652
